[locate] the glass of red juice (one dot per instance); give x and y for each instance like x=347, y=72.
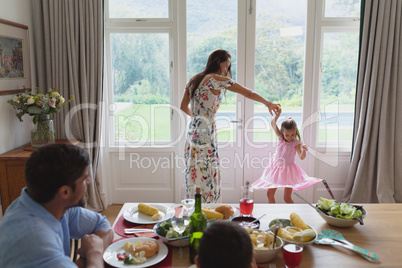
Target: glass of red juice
x=246, y=200
x=293, y=251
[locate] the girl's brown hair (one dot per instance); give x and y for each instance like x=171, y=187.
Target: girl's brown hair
x=290, y=124
x=213, y=65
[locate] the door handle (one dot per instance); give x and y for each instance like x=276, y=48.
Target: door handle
x=236, y=121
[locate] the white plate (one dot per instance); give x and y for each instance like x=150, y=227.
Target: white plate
x=111, y=251
x=212, y=206
x=135, y=216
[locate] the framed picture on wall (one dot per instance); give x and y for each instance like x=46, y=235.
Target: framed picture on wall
x=15, y=66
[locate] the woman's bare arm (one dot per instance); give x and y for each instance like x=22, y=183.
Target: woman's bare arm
x=184, y=106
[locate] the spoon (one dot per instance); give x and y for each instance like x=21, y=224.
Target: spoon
x=275, y=228
x=248, y=225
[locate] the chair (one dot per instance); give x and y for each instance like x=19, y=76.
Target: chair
x=74, y=245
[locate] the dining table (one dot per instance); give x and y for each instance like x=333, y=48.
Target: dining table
x=380, y=233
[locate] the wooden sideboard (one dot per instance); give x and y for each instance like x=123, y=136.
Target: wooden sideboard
x=12, y=172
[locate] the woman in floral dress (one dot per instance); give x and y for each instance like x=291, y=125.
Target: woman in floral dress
x=204, y=95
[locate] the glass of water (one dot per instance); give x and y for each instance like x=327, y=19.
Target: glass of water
x=187, y=198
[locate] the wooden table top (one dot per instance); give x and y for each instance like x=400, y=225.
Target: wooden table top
x=381, y=234
x=24, y=152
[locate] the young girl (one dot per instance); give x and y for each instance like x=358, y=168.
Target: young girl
x=282, y=171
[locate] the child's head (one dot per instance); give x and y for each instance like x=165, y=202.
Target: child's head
x=289, y=130
x=225, y=244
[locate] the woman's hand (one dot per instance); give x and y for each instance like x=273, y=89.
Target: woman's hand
x=273, y=108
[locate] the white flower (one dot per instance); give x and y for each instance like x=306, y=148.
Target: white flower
x=16, y=99
x=31, y=100
x=61, y=100
x=54, y=94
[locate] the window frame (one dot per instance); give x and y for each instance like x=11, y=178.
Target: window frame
x=311, y=101
x=146, y=25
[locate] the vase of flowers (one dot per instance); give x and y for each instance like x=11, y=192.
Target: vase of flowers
x=42, y=131
x=40, y=106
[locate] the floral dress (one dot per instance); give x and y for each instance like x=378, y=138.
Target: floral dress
x=201, y=149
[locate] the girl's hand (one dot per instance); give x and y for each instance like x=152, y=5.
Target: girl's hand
x=304, y=147
x=278, y=111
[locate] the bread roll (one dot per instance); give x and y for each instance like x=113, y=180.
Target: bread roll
x=149, y=247
x=226, y=210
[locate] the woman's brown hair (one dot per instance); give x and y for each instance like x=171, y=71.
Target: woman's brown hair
x=213, y=65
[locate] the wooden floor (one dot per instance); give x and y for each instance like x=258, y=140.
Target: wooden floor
x=111, y=212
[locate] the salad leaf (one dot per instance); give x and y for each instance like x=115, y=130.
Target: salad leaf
x=338, y=210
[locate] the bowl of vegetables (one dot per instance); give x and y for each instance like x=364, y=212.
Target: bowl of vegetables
x=169, y=236
x=340, y=214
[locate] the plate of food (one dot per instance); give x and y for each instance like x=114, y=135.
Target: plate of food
x=135, y=252
x=309, y=233
x=148, y=213
x=215, y=211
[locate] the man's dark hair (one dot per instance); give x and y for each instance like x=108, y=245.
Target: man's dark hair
x=53, y=166
x=225, y=244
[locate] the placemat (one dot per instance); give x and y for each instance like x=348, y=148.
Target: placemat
x=165, y=263
x=122, y=224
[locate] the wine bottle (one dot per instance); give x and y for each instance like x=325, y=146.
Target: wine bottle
x=198, y=222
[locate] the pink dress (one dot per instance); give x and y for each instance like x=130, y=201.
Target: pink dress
x=282, y=171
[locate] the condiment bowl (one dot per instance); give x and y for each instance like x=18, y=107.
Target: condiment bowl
x=245, y=222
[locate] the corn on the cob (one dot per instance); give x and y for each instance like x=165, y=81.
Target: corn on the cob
x=298, y=222
x=147, y=209
x=212, y=214
x=308, y=235
x=284, y=235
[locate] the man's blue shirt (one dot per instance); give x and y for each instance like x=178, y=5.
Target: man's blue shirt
x=32, y=237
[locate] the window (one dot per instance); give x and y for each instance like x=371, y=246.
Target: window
x=120, y=9
x=337, y=72
x=209, y=29
x=139, y=71
x=279, y=61
x=305, y=58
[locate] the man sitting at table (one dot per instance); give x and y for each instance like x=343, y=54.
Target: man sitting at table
x=37, y=227
x=225, y=244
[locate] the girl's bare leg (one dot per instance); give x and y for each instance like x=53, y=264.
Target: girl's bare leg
x=287, y=195
x=271, y=195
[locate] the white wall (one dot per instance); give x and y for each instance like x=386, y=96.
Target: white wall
x=14, y=133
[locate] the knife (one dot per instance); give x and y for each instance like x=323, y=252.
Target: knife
x=137, y=230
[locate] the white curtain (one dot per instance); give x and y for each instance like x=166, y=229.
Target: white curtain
x=375, y=175
x=69, y=52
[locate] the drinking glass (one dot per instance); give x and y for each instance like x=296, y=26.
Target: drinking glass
x=246, y=200
x=187, y=198
x=293, y=251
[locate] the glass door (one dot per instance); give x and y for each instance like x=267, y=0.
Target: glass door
x=275, y=69
x=211, y=25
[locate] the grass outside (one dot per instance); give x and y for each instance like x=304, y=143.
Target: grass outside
x=141, y=122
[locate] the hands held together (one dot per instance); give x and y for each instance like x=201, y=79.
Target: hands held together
x=274, y=108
